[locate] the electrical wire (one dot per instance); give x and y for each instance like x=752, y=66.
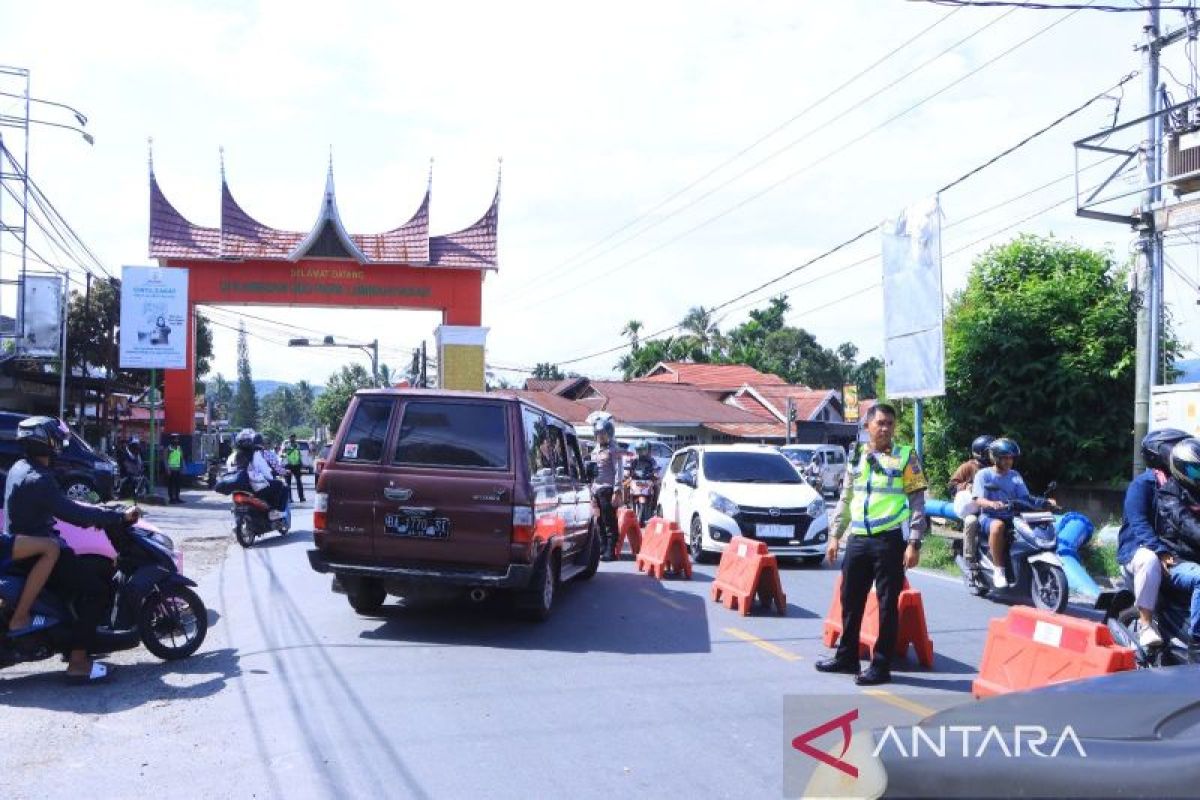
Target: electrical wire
x=827, y=156
x=1037, y=6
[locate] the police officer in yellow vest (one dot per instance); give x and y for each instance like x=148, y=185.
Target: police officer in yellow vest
x=883, y=507
x=294, y=463
x=174, y=470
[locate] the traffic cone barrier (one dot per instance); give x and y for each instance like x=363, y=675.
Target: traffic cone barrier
x=748, y=569
x=1031, y=647
x=628, y=530
x=910, y=630
x=664, y=550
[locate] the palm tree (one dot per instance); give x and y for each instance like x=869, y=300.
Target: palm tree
x=633, y=329
x=699, y=327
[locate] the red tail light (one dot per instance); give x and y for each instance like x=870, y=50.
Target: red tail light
x=320, y=511
x=522, y=525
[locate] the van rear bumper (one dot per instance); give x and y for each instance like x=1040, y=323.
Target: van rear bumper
x=516, y=576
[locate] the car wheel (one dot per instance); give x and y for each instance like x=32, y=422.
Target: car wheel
x=541, y=594
x=80, y=490
x=696, y=543
x=368, y=597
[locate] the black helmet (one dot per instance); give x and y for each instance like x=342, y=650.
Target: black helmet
x=244, y=439
x=258, y=440
x=979, y=447
x=42, y=436
x=1003, y=447
x=1185, y=463
x=1156, y=447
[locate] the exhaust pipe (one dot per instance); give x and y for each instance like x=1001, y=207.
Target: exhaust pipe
x=478, y=595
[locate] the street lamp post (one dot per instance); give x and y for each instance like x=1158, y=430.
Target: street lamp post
x=370, y=348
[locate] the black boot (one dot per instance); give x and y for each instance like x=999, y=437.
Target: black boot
x=607, y=554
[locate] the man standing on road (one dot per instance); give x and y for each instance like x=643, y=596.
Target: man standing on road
x=294, y=465
x=880, y=494
x=174, y=470
x=607, y=457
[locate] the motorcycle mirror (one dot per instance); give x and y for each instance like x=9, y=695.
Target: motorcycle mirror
x=1050, y=487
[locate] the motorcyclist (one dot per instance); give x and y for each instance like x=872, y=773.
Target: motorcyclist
x=1138, y=545
x=248, y=455
x=995, y=488
x=1178, y=518
x=962, y=482
x=33, y=500
x=131, y=464
x=607, y=457
x=643, y=464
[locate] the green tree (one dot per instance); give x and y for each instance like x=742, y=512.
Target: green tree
x=306, y=396
x=1040, y=347
x=331, y=406
x=547, y=372
x=701, y=336
x=633, y=330
x=245, y=401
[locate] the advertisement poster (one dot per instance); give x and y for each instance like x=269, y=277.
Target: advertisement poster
x=41, y=304
x=154, y=312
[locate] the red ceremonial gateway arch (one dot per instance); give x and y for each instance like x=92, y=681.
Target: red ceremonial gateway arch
x=244, y=262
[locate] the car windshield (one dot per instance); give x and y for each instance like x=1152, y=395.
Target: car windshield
x=800, y=457
x=748, y=468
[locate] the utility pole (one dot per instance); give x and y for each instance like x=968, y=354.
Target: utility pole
x=424, y=367
x=1149, y=250
x=791, y=420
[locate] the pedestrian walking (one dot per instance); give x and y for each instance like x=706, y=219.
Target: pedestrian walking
x=294, y=464
x=174, y=470
x=883, y=508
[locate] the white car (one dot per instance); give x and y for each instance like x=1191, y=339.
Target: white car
x=716, y=492
x=828, y=458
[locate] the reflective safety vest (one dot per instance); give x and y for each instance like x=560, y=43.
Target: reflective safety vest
x=175, y=458
x=880, y=503
x=292, y=454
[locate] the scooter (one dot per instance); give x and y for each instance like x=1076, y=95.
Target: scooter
x=252, y=518
x=1170, y=618
x=1035, y=571
x=151, y=602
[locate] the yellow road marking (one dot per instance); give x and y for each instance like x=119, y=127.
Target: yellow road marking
x=899, y=702
x=664, y=600
x=762, y=644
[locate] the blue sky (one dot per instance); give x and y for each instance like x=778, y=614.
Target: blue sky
x=599, y=112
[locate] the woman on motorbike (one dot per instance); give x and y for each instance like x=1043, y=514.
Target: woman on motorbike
x=248, y=455
x=1178, y=518
x=962, y=484
x=995, y=488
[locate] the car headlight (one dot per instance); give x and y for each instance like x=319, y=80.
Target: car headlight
x=723, y=504
x=816, y=508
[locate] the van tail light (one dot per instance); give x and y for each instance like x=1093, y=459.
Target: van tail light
x=320, y=511
x=522, y=525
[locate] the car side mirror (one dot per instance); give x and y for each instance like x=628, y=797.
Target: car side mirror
x=688, y=478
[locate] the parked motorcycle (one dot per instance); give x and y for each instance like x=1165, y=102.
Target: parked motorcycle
x=133, y=486
x=151, y=601
x=1170, y=618
x=252, y=518
x=1035, y=572
x=641, y=493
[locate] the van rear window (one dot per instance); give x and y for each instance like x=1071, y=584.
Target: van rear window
x=462, y=435
x=365, y=439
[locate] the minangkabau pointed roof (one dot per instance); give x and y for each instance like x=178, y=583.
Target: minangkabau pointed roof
x=241, y=237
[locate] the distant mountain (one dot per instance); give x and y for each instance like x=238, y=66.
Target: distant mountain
x=264, y=387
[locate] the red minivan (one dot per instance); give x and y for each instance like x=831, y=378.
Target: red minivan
x=465, y=489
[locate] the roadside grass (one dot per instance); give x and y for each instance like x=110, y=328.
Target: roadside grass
x=936, y=553
x=1100, y=560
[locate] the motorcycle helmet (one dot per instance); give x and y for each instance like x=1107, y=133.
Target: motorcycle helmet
x=1185, y=464
x=1003, y=447
x=604, y=425
x=244, y=439
x=641, y=447
x=979, y=447
x=42, y=436
x=1156, y=447
x=258, y=440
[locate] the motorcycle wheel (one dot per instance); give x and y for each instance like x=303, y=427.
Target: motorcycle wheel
x=173, y=622
x=1049, y=588
x=243, y=534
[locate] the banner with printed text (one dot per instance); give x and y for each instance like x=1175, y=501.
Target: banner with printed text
x=154, y=313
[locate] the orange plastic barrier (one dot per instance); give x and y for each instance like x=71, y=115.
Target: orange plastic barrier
x=664, y=550
x=628, y=530
x=1030, y=647
x=747, y=569
x=911, y=629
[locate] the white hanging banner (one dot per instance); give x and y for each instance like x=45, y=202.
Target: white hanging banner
x=41, y=307
x=914, y=347
x=154, y=313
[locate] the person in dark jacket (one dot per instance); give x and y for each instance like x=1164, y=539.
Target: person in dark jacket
x=33, y=500
x=1138, y=547
x=1178, y=518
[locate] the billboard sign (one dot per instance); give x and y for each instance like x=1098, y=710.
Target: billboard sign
x=914, y=349
x=41, y=307
x=154, y=313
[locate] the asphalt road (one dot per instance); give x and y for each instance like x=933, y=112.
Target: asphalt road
x=633, y=686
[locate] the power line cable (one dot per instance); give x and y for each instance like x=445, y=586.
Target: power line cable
x=1034, y=6
x=829, y=155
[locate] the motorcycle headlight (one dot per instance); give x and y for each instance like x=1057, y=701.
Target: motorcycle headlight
x=723, y=504
x=816, y=508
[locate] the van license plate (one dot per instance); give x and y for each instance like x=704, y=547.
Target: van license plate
x=416, y=526
x=775, y=531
